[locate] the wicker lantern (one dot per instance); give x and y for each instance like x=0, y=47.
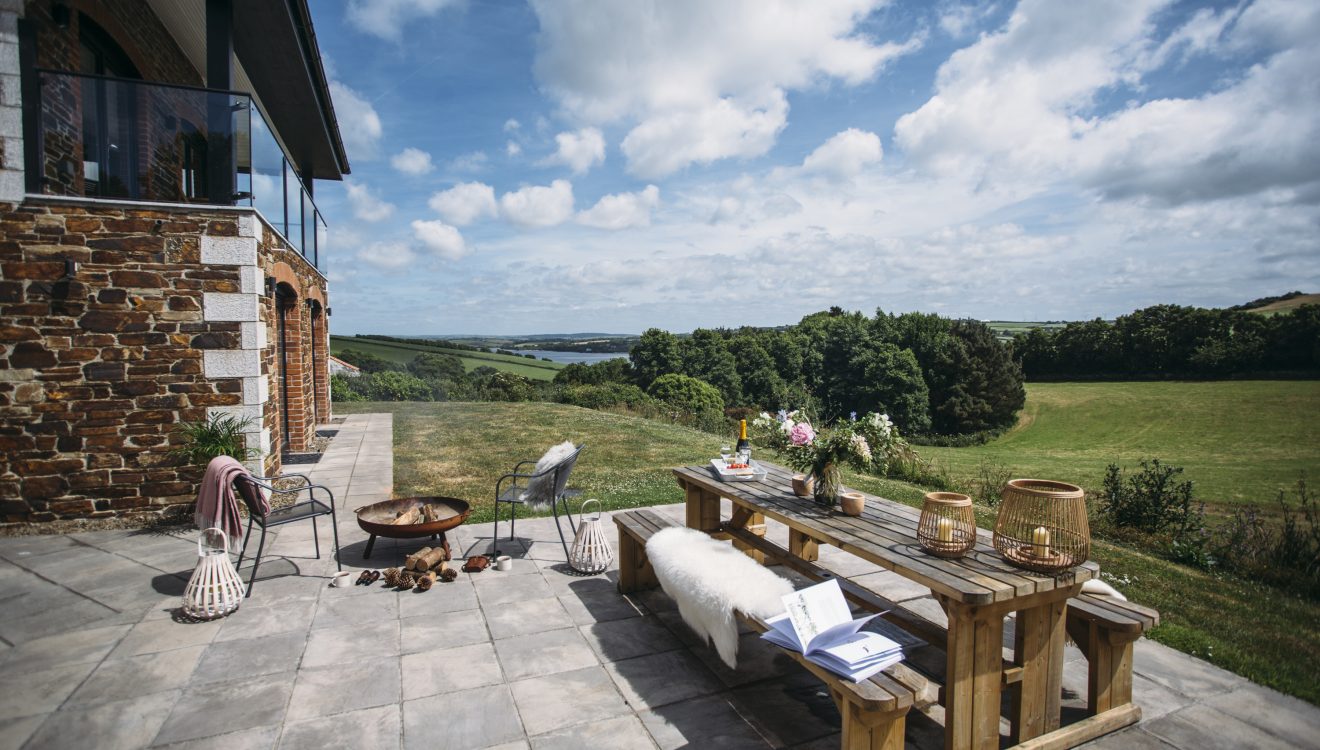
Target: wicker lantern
x=1042, y=525
x=591, y=553
x=947, y=527
x=214, y=590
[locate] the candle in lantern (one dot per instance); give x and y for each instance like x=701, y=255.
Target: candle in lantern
x=1041, y=539
x=945, y=529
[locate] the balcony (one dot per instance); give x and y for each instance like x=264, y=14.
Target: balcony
x=122, y=139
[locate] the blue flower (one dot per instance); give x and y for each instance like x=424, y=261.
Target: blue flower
x=852, y=416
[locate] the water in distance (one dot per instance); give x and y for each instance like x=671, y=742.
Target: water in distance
x=586, y=358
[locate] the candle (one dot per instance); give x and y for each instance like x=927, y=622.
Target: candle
x=1041, y=539
x=945, y=529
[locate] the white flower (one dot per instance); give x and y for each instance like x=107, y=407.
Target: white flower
x=787, y=425
x=881, y=423
x=861, y=448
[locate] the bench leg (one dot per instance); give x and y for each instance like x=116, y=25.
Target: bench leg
x=870, y=730
x=1038, y=649
x=1109, y=672
x=802, y=546
x=635, y=572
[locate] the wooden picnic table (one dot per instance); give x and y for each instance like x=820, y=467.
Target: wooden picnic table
x=976, y=592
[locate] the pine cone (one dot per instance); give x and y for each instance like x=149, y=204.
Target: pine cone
x=391, y=577
x=424, y=583
x=448, y=574
x=406, y=580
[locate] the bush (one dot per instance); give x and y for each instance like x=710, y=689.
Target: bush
x=1154, y=503
x=907, y=466
x=1286, y=553
x=219, y=435
x=341, y=390
x=988, y=486
x=506, y=386
x=604, y=396
x=688, y=394
x=437, y=367
x=395, y=386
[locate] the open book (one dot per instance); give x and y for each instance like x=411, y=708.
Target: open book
x=818, y=623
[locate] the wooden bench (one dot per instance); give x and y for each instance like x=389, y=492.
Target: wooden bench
x=874, y=711
x=1104, y=629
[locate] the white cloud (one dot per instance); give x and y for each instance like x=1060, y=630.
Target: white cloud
x=413, y=161
x=359, y=125
x=845, y=155
x=958, y=20
x=474, y=161
x=699, y=81
x=539, y=206
x=511, y=125
x=440, y=238
x=387, y=18
x=464, y=203
x=387, y=255
x=512, y=148
x=579, y=151
x=622, y=210
x=366, y=206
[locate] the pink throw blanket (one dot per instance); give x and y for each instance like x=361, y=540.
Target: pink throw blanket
x=216, y=503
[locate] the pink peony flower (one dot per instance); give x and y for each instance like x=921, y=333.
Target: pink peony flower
x=802, y=434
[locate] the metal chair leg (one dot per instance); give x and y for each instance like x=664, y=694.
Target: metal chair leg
x=334, y=524
x=554, y=508
x=316, y=538
x=246, y=537
x=256, y=562
x=495, y=535
x=513, y=520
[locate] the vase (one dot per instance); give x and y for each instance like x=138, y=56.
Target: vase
x=829, y=480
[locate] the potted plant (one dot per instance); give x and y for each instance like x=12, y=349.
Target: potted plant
x=863, y=444
x=218, y=435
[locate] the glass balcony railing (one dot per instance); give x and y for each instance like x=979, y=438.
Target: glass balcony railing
x=104, y=137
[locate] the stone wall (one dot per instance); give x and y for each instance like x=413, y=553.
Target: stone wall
x=165, y=319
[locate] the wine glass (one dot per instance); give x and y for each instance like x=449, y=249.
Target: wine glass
x=726, y=453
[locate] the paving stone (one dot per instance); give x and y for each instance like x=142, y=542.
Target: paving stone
x=430, y=632
x=660, y=679
x=282, y=588
x=251, y=657
x=154, y=636
x=1206, y=728
x=701, y=722
x=1185, y=674
x=1278, y=714
x=567, y=698
x=15, y=732
x=623, y=733
x=1131, y=738
x=256, y=738
x=345, y=687
x=600, y=606
x=75, y=647
x=18, y=548
x=757, y=660
x=335, y=612
x=450, y=669
x=254, y=620
x=481, y=717
x=1155, y=699
x=122, y=724
x=788, y=710
x=625, y=639
x=331, y=646
x=123, y=679
x=367, y=729
x=528, y=616
x=39, y=692
x=496, y=591
x=456, y=596
x=224, y=707
x=544, y=653
x=28, y=616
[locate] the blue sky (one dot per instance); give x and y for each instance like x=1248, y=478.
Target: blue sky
x=610, y=165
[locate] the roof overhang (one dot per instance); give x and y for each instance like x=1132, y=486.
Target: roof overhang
x=276, y=44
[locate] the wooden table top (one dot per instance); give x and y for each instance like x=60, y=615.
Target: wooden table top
x=886, y=534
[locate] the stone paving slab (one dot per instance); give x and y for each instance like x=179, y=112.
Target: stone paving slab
x=538, y=657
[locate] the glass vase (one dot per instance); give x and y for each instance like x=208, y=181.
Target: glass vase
x=829, y=481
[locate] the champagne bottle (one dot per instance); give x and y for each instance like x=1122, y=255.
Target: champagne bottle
x=743, y=445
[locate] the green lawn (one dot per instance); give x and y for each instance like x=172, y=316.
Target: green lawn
x=395, y=351
x=460, y=449
x=1239, y=441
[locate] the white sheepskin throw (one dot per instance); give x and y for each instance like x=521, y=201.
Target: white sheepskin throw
x=540, y=491
x=1100, y=588
x=710, y=580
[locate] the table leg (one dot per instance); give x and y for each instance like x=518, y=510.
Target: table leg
x=750, y=521
x=703, y=509
x=1038, y=645
x=974, y=672
x=802, y=546
x=371, y=543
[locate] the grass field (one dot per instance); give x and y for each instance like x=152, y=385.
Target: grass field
x=1287, y=305
x=1239, y=441
x=460, y=449
x=402, y=353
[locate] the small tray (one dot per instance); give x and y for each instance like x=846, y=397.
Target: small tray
x=754, y=474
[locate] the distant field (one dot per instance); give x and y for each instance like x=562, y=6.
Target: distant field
x=402, y=353
x=1287, y=305
x=1239, y=441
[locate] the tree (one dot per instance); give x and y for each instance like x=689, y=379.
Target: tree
x=655, y=354
x=615, y=370
x=706, y=357
x=880, y=377
x=979, y=386
x=368, y=363
x=437, y=366
x=507, y=386
x=688, y=394
x=342, y=391
x=396, y=386
x=761, y=384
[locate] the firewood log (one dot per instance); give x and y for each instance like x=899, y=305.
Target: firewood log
x=410, y=562
x=429, y=560
x=409, y=517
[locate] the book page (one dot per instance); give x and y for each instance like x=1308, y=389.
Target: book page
x=816, y=609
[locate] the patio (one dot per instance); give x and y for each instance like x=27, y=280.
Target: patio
x=534, y=657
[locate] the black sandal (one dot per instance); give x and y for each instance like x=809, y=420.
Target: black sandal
x=364, y=579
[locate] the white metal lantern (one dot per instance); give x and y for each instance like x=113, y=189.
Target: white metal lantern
x=591, y=552
x=214, y=590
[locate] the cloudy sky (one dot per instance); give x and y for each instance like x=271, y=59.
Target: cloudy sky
x=601, y=165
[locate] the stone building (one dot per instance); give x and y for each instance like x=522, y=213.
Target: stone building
x=161, y=255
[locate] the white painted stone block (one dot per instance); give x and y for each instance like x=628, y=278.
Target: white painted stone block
x=229, y=251
x=255, y=390
x=253, y=335
x=249, y=279
x=227, y=307
x=231, y=363
x=247, y=225
x=263, y=441
x=11, y=122
x=12, y=183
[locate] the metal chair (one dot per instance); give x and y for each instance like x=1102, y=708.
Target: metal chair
x=512, y=494
x=299, y=511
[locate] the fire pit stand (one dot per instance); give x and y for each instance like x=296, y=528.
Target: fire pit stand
x=377, y=519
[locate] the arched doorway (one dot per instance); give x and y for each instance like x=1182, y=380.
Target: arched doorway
x=316, y=335
x=287, y=355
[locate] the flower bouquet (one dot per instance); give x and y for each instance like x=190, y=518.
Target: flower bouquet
x=863, y=444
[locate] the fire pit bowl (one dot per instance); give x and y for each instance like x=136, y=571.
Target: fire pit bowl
x=377, y=519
